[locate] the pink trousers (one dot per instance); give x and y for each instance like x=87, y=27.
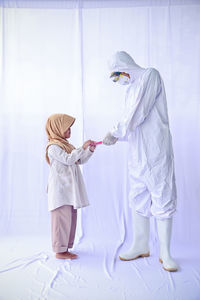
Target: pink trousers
x=63, y=228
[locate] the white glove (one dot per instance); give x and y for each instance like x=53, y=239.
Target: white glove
x=109, y=139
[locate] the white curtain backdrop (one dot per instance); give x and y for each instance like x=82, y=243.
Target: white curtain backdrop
x=54, y=60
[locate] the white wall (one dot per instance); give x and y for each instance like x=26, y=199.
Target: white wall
x=55, y=60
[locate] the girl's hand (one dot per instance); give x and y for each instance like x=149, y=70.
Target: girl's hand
x=87, y=144
x=92, y=147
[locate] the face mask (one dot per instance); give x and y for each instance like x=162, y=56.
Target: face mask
x=120, y=78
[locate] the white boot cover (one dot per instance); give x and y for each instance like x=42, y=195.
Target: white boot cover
x=164, y=228
x=140, y=245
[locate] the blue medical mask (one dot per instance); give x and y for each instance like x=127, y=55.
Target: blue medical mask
x=120, y=78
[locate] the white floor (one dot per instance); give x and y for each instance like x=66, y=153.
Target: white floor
x=29, y=271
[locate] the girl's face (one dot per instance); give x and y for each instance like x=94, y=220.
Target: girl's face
x=67, y=133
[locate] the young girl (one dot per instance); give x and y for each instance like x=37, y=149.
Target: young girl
x=66, y=190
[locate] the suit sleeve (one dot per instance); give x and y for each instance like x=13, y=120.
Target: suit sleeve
x=139, y=102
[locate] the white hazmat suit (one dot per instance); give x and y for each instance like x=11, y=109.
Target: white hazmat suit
x=145, y=124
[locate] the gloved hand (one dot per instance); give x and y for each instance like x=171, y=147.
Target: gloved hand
x=109, y=139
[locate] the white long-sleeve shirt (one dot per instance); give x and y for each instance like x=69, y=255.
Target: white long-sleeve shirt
x=65, y=183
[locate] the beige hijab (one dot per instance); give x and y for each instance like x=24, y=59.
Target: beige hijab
x=55, y=127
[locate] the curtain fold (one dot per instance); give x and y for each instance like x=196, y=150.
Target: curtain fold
x=55, y=60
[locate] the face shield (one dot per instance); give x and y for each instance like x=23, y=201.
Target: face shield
x=120, y=78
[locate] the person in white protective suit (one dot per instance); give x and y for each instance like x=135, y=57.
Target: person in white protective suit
x=151, y=161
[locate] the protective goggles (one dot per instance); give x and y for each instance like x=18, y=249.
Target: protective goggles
x=115, y=76
x=119, y=77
